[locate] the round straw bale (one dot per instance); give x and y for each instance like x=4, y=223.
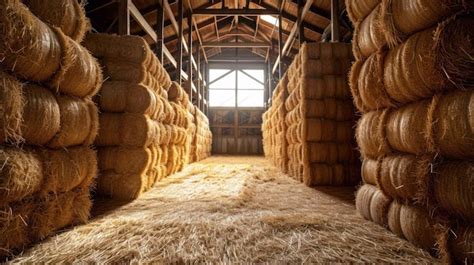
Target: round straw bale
x=453, y=125
x=79, y=122
x=461, y=244
x=359, y=9
x=354, y=75
x=80, y=74
x=418, y=227
x=404, y=176
x=116, y=96
x=453, y=188
x=176, y=92
x=68, y=15
x=124, y=160
x=21, y=174
x=29, y=48
x=379, y=205
x=394, y=219
x=128, y=48
x=323, y=152
x=406, y=128
x=370, y=134
x=41, y=115
x=370, y=85
x=124, y=71
x=121, y=186
x=345, y=110
x=82, y=206
x=12, y=105
x=404, y=17
x=369, y=36
x=344, y=132
x=317, y=68
x=65, y=170
x=370, y=171
x=14, y=226
x=411, y=71
x=363, y=200
x=320, y=130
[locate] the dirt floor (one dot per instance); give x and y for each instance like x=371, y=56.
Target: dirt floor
x=228, y=210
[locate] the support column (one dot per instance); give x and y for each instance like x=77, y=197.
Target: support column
x=299, y=22
x=190, y=56
x=280, y=47
x=179, y=67
x=160, y=21
x=124, y=17
x=335, y=21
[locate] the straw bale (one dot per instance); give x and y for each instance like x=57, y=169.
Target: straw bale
x=29, y=48
x=418, y=227
x=79, y=122
x=122, y=186
x=359, y=9
x=453, y=188
x=369, y=35
x=21, y=174
x=339, y=174
x=68, y=15
x=132, y=49
x=127, y=129
x=67, y=169
x=370, y=171
x=328, y=130
x=41, y=115
x=363, y=200
x=394, y=219
x=80, y=74
x=321, y=50
x=116, y=96
x=124, y=160
x=314, y=68
x=379, y=207
x=461, y=244
x=370, y=134
x=12, y=105
x=14, y=226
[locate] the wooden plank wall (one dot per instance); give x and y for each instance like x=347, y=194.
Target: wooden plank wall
x=236, y=131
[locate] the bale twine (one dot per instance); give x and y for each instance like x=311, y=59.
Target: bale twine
x=68, y=15
x=65, y=170
x=21, y=174
x=393, y=218
x=418, y=227
x=357, y=9
x=370, y=134
x=80, y=74
x=79, y=122
x=404, y=176
x=14, y=226
x=369, y=35
x=41, y=115
x=124, y=160
x=453, y=188
x=402, y=18
x=370, y=171
x=29, y=48
x=406, y=128
x=12, y=105
x=116, y=96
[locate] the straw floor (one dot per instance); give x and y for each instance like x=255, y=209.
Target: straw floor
x=227, y=210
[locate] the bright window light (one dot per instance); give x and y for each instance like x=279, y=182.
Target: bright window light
x=270, y=19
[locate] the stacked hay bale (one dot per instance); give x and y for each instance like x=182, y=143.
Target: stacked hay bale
x=320, y=116
x=202, y=142
x=139, y=128
x=274, y=128
x=47, y=124
x=413, y=83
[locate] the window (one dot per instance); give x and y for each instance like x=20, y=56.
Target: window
x=236, y=87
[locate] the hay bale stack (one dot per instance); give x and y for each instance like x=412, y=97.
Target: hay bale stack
x=318, y=117
x=202, y=143
x=416, y=133
x=145, y=132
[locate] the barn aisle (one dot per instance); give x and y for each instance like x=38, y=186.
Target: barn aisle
x=229, y=209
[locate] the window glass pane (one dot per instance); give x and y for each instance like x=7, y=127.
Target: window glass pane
x=250, y=98
x=227, y=82
x=245, y=82
x=257, y=74
x=221, y=98
x=216, y=73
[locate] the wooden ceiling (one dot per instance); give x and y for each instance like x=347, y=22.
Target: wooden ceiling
x=104, y=18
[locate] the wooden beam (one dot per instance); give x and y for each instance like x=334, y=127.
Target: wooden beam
x=190, y=57
x=160, y=22
x=317, y=11
x=237, y=44
x=124, y=17
x=180, y=34
x=335, y=21
x=299, y=22
x=233, y=12
x=280, y=46
x=292, y=34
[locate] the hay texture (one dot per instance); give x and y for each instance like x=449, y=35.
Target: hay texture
x=308, y=129
x=69, y=16
x=243, y=203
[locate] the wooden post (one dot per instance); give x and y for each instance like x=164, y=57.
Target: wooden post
x=299, y=21
x=190, y=56
x=335, y=21
x=123, y=17
x=280, y=46
x=160, y=21
x=200, y=96
x=179, y=67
